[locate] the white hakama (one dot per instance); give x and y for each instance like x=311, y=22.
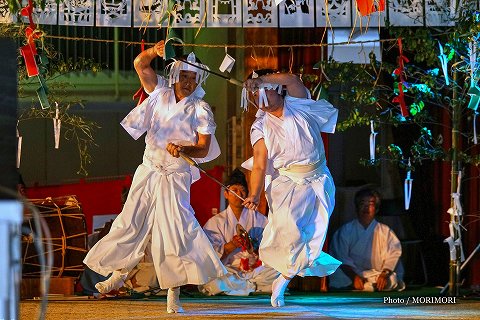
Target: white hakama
x=301, y=194
x=158, y=202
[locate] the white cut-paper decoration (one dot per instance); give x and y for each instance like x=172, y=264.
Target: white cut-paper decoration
x=439, y=13
x=189, y=13
x=259, y=13
x=19, y=147
x=297, y=13
x=405, y=12
x=76, y=13
x=354, y=52
x=57, y=123
x=5, y=15
x=227, y=63
x=148, y=13
x=373, y=134
x=113, y=13
x=334, y=13
x=224, y=13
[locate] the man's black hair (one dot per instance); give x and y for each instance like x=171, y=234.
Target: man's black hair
x=368, y=193
x=237, y=177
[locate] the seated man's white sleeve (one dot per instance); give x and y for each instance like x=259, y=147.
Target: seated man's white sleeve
x=216, y=238
x=394, y=251
x=340, y=248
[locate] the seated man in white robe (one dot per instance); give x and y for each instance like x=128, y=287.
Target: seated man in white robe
x=245, y=271
x=370, y=251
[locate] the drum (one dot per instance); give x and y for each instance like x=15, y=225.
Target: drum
x=68, y=235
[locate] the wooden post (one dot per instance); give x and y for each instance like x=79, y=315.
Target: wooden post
x=8, y=115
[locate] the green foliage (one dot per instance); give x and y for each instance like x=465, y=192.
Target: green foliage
x=75, y=128
x=367, y=91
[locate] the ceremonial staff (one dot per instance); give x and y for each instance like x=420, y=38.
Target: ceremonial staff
x=229, y=79
x=195, y=164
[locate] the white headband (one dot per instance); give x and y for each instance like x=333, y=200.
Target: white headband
x=174, y=68
x=262, y=96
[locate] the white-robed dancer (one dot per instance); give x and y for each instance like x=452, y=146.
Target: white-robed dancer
x=370, y=251
x=245, y=272
x=176, y=120
x=288, y=149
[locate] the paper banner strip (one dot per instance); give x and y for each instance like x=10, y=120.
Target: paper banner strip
x=407, y=189
x=373, y=134
x=42, y=93
x=227, y=63
x=30, y=63
x=57, y=123
x=474, y=93
x=475, y=139
x=19, y=147
x=443, y=62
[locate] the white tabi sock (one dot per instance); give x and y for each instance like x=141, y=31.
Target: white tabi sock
x=115, y=282
x=278, y=290
x=173, y=301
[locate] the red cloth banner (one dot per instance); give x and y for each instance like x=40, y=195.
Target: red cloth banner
x=366, y=7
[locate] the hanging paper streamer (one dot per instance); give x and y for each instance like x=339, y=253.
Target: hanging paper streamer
x=57, y=123
x=373, y=134
x=472, y=49
x=400, y=99
x=455, y=239
x=19, y=147
x=366, y=7
x=227, y=63
x=475, y=140
x=407, y=187
x=443, y=62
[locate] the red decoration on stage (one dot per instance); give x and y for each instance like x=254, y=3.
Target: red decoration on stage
x=366, y=7
x=400, y=99
x=30, y=63
x=29, y=51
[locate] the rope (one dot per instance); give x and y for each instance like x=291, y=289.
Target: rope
x=238, y=46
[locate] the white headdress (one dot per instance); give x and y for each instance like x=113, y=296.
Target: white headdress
x=262, y=96
x=174, y=68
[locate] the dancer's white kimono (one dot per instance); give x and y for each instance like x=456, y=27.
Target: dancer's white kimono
x=301, y=195
x=159, y=198
x=221, y=229
x=367, y=252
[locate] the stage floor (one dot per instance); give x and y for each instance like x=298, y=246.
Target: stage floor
x=411, y=304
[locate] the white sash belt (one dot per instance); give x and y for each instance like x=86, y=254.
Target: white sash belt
x=304, y=174
x=162, y=161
